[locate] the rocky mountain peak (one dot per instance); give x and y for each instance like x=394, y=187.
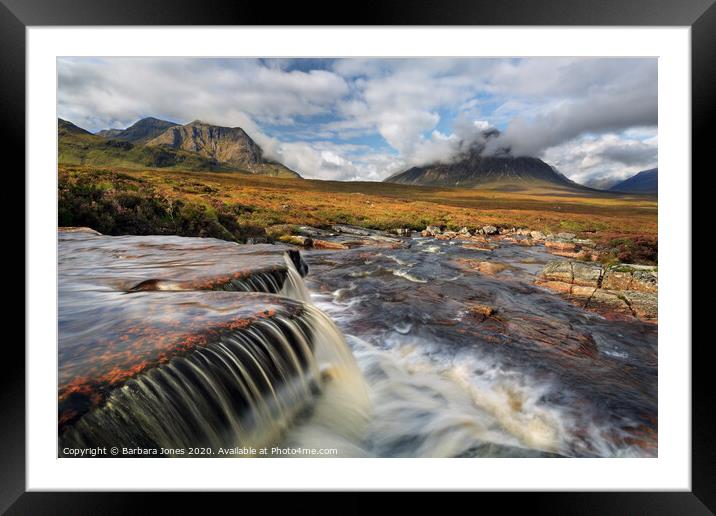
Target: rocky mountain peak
x=229, y=145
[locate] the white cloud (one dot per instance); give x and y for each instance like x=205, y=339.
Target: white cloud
x=337, y=162
x=117, y=91
x=585, y=116
x=603, y=159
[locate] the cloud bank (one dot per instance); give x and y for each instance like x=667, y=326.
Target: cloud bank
x=364, y=119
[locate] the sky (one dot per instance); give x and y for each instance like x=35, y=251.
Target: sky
x=593, y=119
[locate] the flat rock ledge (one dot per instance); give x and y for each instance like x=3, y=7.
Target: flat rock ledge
x=623, y=288
x=339, y=237
x=129, y=304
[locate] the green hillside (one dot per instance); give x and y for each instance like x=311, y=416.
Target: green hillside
x=77, y=146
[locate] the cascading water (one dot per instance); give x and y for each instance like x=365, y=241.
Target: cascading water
x=239, y=383
x=417, y=376
x=243, y=390
x=540, y=378
x=293, y=285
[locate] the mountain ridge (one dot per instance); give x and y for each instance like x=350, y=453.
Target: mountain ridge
x=154, y=143
x=224, y=144
x=230, y=146
x=141, y=131
x=644, y=182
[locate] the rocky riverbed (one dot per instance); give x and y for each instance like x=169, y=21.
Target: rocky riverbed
x=465, y=343
x=550, y=369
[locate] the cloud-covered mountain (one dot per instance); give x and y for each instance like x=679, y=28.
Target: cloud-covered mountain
x=474, y=169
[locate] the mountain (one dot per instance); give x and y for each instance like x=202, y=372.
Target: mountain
x=600, y=183
x=474, y=170
x=109, y=133
x=77, y=146
x=644, y=182
x=230, y=146
x=65, y=128
x=140, y=132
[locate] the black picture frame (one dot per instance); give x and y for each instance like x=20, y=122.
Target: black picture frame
x=17, y=15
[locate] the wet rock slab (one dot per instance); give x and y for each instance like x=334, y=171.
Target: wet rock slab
x=88, y=259
x=343, y=237
x=129, y=304
x=106, y=338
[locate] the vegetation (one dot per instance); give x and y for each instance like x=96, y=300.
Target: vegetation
x=79, y=147
x=115, y=200
x=117, y=204
x=638, y=249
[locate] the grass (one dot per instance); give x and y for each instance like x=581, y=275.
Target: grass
x=246, y=204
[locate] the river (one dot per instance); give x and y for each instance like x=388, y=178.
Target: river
x=539, y=377
x=398, y=348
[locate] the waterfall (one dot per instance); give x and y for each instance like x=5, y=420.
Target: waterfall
x=244, y=388
x=293, y=285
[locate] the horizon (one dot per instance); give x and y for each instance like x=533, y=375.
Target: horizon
x=592, y=119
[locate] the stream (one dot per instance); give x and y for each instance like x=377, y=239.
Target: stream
x=395, y=348
x=539, y=377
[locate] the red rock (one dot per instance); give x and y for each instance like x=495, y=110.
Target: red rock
x=484, y=267
x=481, y=311
x=325, y=244
x=556, y=245
x=559, y=286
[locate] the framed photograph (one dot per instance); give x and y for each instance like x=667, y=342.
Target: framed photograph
x=424, y=251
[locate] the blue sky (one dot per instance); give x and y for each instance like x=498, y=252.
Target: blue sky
x=594, y=119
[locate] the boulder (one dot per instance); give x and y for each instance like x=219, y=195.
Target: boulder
x=625, y=289
x=645, y=280
x=447, y=235
x=325, y=244
x=484, y=267
x=558, y=270
x=537, y=235
x=557, y=286
x=566, y=236
x=631, y=277
x=521, y=239
x=584, y=242
x=489, y=230
x=616, y=279
x=312, y=232
x=481, y=311
x=478, y=246
x=586, y=274
x=582, y=291
x=431, y=231
x=78, y=229
x=560, y=246
x=297, y=240
x=644, y=305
